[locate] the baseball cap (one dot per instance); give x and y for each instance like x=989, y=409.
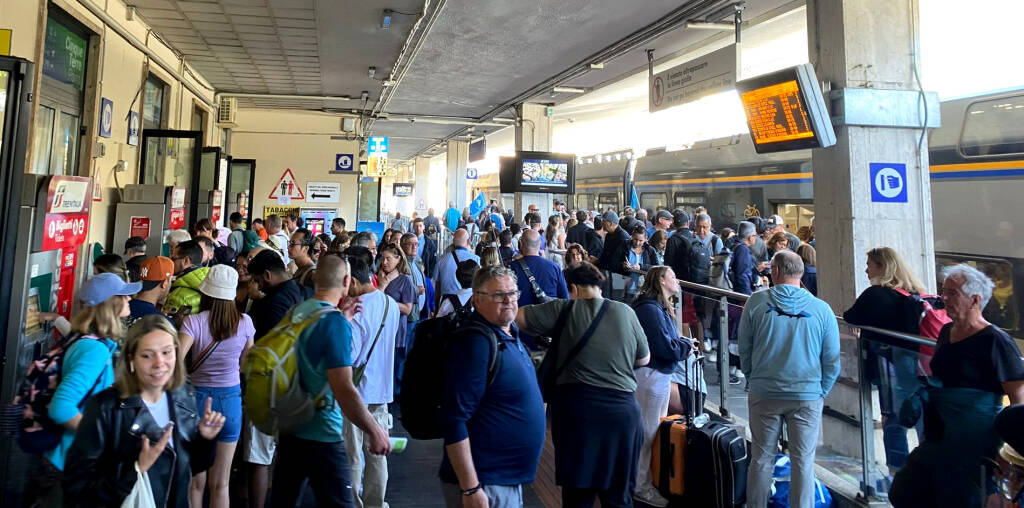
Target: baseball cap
x=775, y=220
x=103, y=286
x=610, y=216
x=220, y=282
x=155, y=270
x=663, y=214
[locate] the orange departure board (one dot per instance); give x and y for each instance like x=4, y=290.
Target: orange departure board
x=785, y=110
x=775, y=113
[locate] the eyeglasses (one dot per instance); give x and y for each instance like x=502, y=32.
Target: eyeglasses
x=295, y=244
x=502, y=297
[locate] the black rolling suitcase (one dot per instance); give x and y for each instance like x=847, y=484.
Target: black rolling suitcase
x=716, y=465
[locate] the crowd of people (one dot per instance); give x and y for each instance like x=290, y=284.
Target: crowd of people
x=155, y=364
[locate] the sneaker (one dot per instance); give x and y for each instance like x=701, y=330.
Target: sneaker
x=734, y=379
x=707, y=346
x=712, y=358
x=650, y=496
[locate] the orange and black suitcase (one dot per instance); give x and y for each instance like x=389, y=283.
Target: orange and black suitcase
x=668, y=456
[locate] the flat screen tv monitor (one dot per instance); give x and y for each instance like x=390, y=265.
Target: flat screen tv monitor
x=545, y=172
x=785, y=110
x=401, y=190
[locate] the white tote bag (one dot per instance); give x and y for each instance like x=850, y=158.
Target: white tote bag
x=141, y=495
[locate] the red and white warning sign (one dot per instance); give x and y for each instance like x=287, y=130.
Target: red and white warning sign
x=287, y=187
x=140, y=226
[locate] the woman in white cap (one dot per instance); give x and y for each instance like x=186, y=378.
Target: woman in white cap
x=87, y=369
x=214, y=343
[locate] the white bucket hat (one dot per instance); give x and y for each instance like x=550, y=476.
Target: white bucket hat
x=221, y=282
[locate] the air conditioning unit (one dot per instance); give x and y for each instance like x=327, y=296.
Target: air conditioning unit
x=348, y=124
x=227, y=112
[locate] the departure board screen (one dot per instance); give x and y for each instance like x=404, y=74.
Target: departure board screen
x=785, y=110
x=776, y=113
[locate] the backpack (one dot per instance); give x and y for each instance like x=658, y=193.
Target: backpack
x=423, y=378
x=274, y=398
x=701, y=258
x=27, y=416
x=930, y=316
x=720, y=275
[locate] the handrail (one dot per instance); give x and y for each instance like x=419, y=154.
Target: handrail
x=917, y=340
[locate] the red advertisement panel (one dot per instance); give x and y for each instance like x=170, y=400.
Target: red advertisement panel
x=140, y=226
x=62, y=230
x=176, y=219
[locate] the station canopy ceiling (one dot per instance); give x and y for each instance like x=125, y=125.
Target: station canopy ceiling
x=466, y=59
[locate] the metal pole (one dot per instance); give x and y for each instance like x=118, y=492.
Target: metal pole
x=867, y=427
x=723, y=354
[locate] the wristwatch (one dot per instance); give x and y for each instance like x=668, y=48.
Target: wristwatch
x=472, y=490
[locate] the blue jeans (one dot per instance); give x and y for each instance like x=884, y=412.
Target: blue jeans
x=228, y=402
x=400, y=355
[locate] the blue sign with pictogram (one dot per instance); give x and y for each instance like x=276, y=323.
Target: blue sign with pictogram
x=343, y=162
x=888, y=182
x=377, y=146
x=106, y=117
x=471, y=174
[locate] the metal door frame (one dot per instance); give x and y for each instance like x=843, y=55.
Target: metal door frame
x=252, y=186
x=197, y=160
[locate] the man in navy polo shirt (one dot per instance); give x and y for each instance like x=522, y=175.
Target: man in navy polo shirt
x=493, y=434
x=550, y=281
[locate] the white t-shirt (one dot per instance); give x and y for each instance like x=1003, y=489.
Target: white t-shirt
x=377, y=385
x=161, y=412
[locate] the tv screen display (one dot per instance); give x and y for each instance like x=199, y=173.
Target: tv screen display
x=785, y=110
x=545, y=172
x=401, y=190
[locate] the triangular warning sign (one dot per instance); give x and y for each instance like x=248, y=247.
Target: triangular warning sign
x=287, y=186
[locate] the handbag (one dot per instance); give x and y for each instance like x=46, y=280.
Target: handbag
x=193, y=365
x=141, y=495
x=549, y=370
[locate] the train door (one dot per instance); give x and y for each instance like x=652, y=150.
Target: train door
x=795, y=215
x=654, y=201
x=689, y=201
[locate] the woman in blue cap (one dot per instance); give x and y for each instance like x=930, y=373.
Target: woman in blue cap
x=87, y=369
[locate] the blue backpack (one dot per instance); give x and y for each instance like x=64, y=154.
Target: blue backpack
x=780, y=487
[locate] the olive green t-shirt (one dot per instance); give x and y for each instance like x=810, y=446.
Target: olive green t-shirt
x=607, y=360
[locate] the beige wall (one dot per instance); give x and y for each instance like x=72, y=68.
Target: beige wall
x=119, y=72
x=296, y=140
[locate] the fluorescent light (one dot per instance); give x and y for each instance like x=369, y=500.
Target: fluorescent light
x=567, y=89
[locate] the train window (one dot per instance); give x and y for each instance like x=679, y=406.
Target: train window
x=994, y=127
x=583, y=201
x=689, y=200
x=653, y=201
x=795, y=216
x=1003, y=310
x=607, y=199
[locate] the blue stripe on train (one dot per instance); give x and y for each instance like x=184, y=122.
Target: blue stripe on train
x=981, y=173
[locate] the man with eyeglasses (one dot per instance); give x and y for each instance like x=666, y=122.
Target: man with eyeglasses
x=409, y=243
x=300, y=248
x=426, y=250
x=493, y=431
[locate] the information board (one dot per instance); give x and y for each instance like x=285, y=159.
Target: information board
x=707, y=75
x=785, y=110
x=64, y=54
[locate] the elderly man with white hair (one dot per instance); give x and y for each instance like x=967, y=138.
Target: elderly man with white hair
x=975, y=364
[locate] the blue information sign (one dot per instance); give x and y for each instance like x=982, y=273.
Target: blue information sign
x=106, y=117
x=888, y=182
x=471, y=174
x=343, y=162
x=377, y=146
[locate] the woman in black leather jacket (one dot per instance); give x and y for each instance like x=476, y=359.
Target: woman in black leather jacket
x=147, y=420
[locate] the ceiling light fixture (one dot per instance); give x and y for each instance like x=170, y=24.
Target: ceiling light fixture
x=372, y=71
x=567, y=89
x=710, y=26
x=385, y=20
x=597, y=65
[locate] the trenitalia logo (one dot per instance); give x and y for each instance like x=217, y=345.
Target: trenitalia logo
x=58, y=228
x=69, y=197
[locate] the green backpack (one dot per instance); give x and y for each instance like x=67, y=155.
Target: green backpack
x=274, y=399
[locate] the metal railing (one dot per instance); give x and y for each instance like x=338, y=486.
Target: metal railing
x=724, y=298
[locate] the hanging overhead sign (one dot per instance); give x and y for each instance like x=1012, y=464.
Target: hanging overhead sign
x=712, y=73
x=287, y=187
x=377, y=145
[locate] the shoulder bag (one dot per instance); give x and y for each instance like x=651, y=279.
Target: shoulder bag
x=549, y=369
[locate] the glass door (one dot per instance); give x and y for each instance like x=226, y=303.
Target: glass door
x=172, y=158
x=240, y=187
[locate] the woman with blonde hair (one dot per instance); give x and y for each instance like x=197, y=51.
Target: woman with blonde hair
x=127, y=428
x=87, y=369
x=490, y=257
x=889, y=303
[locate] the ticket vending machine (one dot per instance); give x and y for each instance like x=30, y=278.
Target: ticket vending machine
x=53, y=225
x=149, y=211
x=318, y=220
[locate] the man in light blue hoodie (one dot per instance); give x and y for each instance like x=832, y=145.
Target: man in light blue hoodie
x=789, y=351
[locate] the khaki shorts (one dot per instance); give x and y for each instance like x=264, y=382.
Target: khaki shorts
x=258, y=448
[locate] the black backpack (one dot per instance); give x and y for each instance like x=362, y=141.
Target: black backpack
x=700, y=259
x=423, y=378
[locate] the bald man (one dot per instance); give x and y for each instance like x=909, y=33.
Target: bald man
x=444, y=279
x=538, y=279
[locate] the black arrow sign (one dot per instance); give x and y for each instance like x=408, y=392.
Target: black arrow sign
x=317, y=196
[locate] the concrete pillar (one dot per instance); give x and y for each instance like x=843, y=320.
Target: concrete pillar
x=867, y=45
x=533, y=132
x=458, y=159
x=420, y=189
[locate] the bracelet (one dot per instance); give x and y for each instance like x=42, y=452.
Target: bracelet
x=471, y=491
